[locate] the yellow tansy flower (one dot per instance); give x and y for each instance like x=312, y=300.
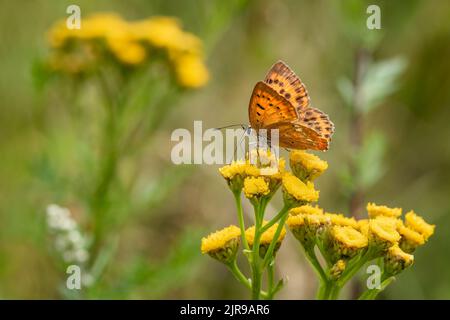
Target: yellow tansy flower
x=375, y=211
x=236, y=172
x=343, y=242
x=363, y=226
x=306, y=209
x=129, y=53
x=131, y=43
x=383, y=233
x=166, y=33
x=418, y=224
x=306, y=227
x=397, y=260
x=191, y=71
x=223, y=244
x=306, y=166
x=410, y=239
x=255, y=187
x=341, y=220
x=266, y=238
x=296, y=192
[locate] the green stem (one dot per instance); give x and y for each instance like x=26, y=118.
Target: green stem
x=371, y=294
x=334, y=291
x=255, y=261
x=270, y=278
x=239, y=275
x=272, y=221
x=353, y=268
x=108, y=169
x=283, y=214
x=237, y=198
x=312, y=259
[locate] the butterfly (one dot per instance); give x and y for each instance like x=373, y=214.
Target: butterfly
x=282, y=102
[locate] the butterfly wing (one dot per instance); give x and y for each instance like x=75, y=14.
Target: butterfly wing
x=295, y=135
x=267, y=108
x=282, y=102
x=284, y=81
x=311, y=131
x=317, y=120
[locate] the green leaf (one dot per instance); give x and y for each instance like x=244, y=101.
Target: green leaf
x=345, y=88
x=380, y=80
x=370, y=160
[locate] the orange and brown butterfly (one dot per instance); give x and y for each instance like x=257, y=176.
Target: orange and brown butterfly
x=282, y=102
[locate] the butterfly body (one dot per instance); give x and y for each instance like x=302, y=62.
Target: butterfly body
x=281, y=102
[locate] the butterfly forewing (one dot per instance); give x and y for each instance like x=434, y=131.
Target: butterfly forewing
x=284, y=81
x=267, y=108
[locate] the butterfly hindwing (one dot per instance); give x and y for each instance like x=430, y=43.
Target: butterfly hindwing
x=284, y=81
x=267, y=107
x=317, y=121
x=295, y=135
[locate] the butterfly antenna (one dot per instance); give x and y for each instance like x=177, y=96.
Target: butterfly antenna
x=240, y=144
x=231, y=126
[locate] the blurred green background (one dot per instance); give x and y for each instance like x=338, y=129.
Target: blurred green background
x=158, y=252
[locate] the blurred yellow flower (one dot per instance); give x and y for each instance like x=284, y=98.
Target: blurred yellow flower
x=131, y=44
x=166, y=33
x=191, y=71
x=129, y=53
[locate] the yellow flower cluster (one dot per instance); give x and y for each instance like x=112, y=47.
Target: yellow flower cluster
x=341, y=238
x=261, y=179
x=106, y=35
